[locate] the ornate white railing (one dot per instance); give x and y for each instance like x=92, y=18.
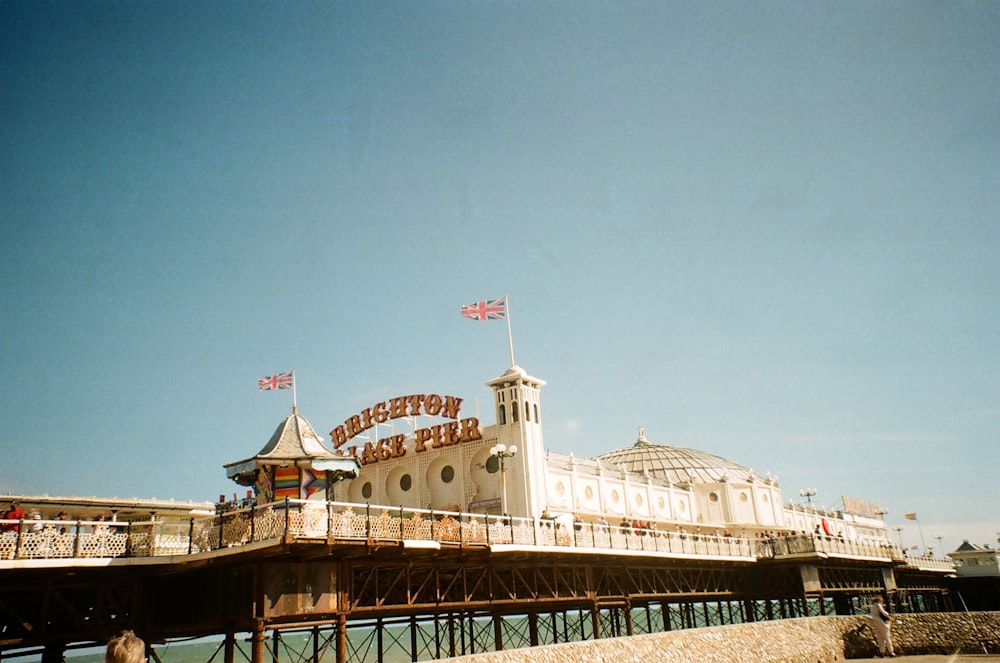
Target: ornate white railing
x=332, y=522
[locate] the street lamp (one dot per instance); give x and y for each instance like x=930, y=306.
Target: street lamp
x=898, y=529
x=808, y=493
x=502, y=452
x=940, y=548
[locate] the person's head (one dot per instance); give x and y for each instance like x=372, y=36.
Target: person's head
x=877, y=599
x=126, y=647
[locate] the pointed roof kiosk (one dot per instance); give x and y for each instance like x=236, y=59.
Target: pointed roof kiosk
x=294, y=464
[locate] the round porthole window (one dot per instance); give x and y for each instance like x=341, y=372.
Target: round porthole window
x=447, y=473
x=763, y=498
x=638, y=500
x=560, y=489
x=713, y=497
x=405, y=482
x=743, y=497
x=661, y=503
x=366, y=490
x=589, y=493
x=682, y=507
x=615, y=497
x=492, y=464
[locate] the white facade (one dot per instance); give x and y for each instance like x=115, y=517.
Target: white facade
x=465, y=477
x=974, y=560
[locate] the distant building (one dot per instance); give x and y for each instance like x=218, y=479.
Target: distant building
x=973, y=560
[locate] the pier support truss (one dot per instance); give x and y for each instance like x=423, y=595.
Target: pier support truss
x=298, y=603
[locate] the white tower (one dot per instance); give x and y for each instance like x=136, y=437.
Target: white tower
x=518, y=416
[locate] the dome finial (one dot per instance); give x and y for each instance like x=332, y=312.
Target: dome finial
x=642, y=437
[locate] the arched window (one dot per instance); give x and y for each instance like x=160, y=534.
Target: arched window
x=537, y=420
x=527, y=411
x=513, y=411
x=503, y=414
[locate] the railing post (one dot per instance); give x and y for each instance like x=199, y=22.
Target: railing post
x=253, y=523
x=20, y=533
x=287, y=517
x=190, y=535
x=329, y=519
x=433, y=538
x=535, y=529
x=402, y=535
x=368, y=520
x=510, y=525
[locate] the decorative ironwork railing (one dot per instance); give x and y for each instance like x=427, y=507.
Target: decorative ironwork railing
x=332, y=522
x=815, y=544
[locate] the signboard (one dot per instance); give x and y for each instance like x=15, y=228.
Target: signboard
x=862, y=507
x=394, y=446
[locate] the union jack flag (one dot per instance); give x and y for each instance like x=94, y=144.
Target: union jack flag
x=495, y=309
x=280, y=381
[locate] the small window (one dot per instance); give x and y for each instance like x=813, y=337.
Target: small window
x=503, y=414
x=713, y=497
x=492, y=464
x=514, y=411
x=447, y=474
x=366, y=490
x=405, y=482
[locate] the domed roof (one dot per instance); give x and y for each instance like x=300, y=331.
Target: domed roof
x=675, y=464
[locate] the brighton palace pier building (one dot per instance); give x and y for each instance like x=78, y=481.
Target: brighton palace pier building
x=417, y=532
x=455, y=467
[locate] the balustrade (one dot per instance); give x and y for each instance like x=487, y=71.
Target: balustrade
x=333, y=521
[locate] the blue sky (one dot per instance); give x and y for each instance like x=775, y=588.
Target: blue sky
x=763, y=229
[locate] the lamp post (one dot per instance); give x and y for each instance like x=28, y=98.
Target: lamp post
x=898, y=529
x=502, y=452
x=939, y=539
x=808, y=493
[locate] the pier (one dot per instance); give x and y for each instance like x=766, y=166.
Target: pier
x=363, y=583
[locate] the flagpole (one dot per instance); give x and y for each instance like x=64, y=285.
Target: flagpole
x=510, y=338
x=295, y=404
x=921, y=530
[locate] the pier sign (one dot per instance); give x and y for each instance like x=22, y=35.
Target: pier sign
x=394, y=446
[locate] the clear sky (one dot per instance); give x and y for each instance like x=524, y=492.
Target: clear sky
x=768, y=230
